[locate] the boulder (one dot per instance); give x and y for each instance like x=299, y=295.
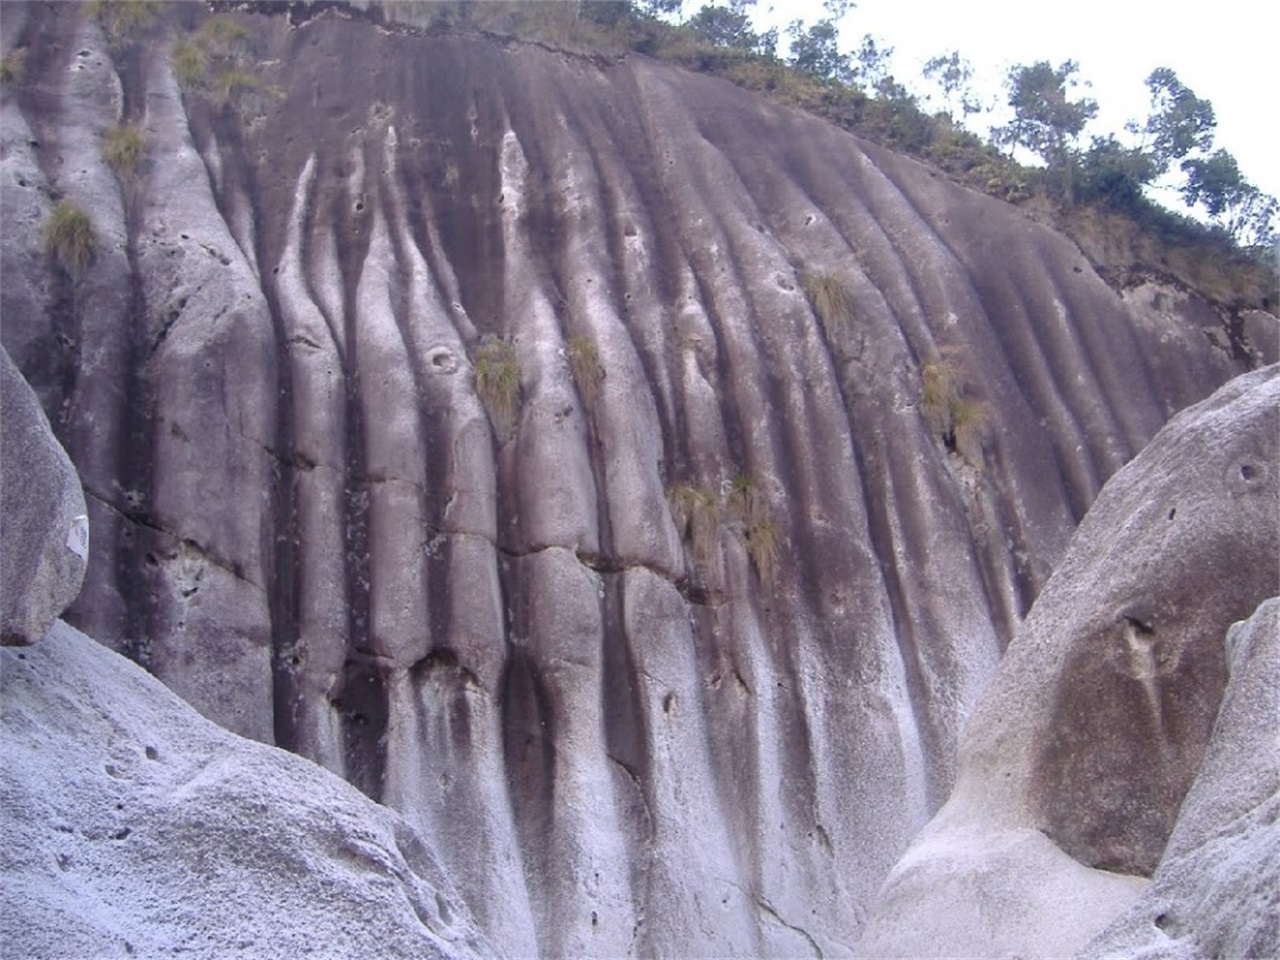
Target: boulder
x=1216, y=892
x=129, y=824
x=1075, y=763
x=46, y=528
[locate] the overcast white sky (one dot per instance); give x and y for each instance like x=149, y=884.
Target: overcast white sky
x=1224, y=50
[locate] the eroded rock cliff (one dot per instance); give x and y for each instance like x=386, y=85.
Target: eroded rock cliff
x=631, y=482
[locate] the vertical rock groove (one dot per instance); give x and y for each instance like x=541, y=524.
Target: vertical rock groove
x=626, y=729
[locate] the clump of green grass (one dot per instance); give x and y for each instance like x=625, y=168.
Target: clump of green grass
x=968, y=428
x=123, y=19
x=938, y=390
x=956, y=418
x=744, y=499
x=696, y=511
x=830, y=300
x=764, y=546
x=69, y=238
x=230, y=85
x=122, y=149
x=496, y=374
x=584, y=362
x=12, y=66
x=222, y=37
x=699, y=513
x=190, y=64
x=449, y=179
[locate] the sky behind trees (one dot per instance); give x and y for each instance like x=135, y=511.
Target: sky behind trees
x=1223, y=51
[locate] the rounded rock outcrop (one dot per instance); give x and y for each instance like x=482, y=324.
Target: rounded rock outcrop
x=46, y=527
x=1074, y=766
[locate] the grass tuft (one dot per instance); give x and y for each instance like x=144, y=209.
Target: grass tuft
x=123, y=19
x=223, y=37
x=122, y=148
x=12, y=66
x=190, y=64
x=496, y=374
x=938, y=391
x=744, y=500
x=69, y=238
x=830, y=301
x=959, y=420
x=230, y=85
x=696, y=511
x=968, y=428
x=584, y=362
x=764, y=546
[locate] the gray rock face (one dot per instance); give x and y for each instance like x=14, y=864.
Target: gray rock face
x=1216, y=892
x=1075, y=764
x=43, y=527
x=130, y=825
x=669, y=646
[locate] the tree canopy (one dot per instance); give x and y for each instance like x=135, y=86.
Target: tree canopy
x=1046, y=120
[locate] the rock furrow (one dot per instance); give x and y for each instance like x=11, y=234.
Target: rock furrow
x=728, y=452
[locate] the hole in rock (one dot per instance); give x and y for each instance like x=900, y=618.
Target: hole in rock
x=1143, y=628
x=152, y=753
x=1249, y=471
x=1172, y=512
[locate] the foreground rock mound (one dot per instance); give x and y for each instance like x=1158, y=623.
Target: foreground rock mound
x=1074, y=766
x=130, y=825
x=44, y=530
x=1216, y=892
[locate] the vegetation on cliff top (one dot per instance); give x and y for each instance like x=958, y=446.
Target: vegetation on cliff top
x=1094, y=192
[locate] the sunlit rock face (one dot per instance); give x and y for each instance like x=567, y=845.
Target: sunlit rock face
x=668, y=647
x=132, y=826
x=1105, y=747
x=1214, y=892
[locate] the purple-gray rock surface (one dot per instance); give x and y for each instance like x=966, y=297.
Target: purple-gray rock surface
x=462, y=422
x=132, y=826
x=1074, y=767
x=1216, y=891
x=43, y=525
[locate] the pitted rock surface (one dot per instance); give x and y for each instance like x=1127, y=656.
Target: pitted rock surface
x=1216, y=891
x=1100, y=716
x=132, y=826
x=43, y=525
x=687, y=640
